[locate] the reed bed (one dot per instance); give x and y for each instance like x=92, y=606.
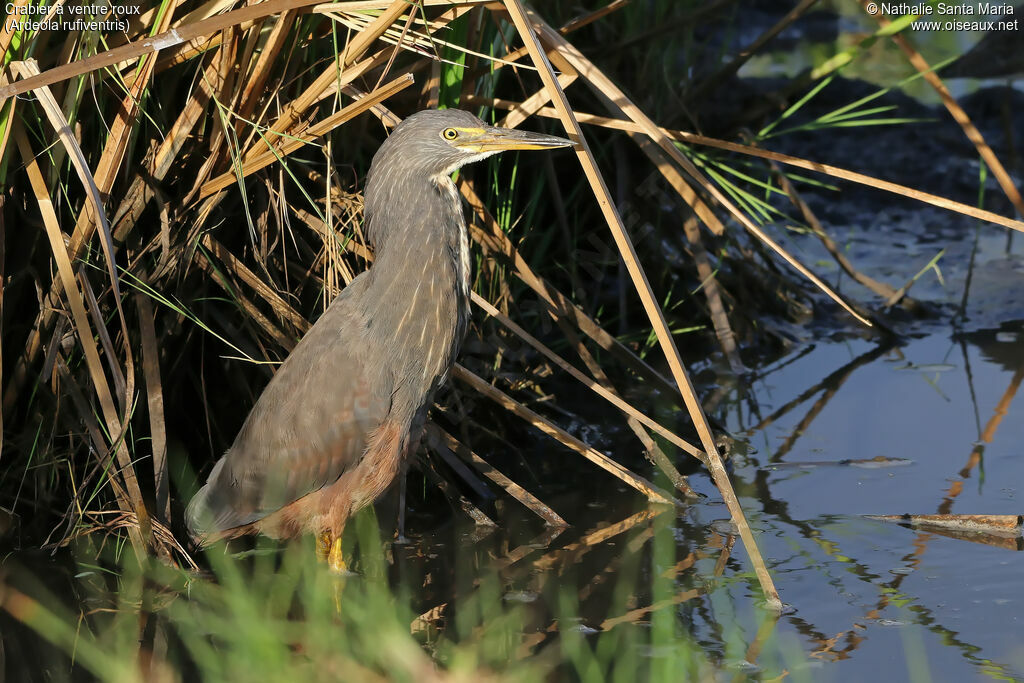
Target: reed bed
x=181, y=199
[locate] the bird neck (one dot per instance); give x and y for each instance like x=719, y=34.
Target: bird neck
x=423, y=239
x=419, y=282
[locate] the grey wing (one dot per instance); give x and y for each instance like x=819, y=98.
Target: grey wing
x=307, y=428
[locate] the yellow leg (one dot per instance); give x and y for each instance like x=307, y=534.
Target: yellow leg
x=335, y=560
x=328, y=549
x=338, y=582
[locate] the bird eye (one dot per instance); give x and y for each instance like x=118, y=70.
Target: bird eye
x=450, y=134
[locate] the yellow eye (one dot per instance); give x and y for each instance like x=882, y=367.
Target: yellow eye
x=450, y=134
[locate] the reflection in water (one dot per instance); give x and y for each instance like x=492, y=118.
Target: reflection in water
x=859, y=592
x=1002, y=531
x=1004, y=354
x=928, y=416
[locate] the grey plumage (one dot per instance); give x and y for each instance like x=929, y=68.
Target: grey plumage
x=349, y=403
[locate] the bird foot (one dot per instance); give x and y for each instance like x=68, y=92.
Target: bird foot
x=323, y=546
x=328, y=549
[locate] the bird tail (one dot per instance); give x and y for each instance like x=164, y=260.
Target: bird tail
x=210, y=516
x=199, y=517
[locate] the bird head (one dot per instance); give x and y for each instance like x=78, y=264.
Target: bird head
x=438, y=142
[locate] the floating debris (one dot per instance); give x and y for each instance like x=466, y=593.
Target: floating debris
x=1003, y=531
x=724, y=527
x=927, y=367
x=877, y=462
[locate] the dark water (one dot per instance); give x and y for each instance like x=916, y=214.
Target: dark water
x=867, y=593
x=939, y=425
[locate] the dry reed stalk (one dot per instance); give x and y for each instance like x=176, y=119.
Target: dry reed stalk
x=370, y=5
x=155, y=402
x=335, y=75
x=260, y=72
x=219, y=144
x=279, y=336
x=321, y=228
x=574, y=25
x=432, y=438
x=180, y=54
x=531, y=104
x=7, y=30
x=116, y=374
x=528, y=500
x=124, y=382
x=495, y=242
x=616, y=100
x=87, y=414
x=358, y=45
x=94, y=204
x=258, y=161
x=628, y=253
x=281, y=308
x=720, y=321
x=637, y=482
x=139, y=24
x=603, y=384
x=8, y=109
x=140, y=192
x=594, y=386
x=958, y=114
x=852, y=176
x=653, y=451
x=591, y=17
x=808, y=164
x=454, y=496
x=890, y=294
x=1006, y=525
x=120, y=131
x=170, y=38
x=134, y=502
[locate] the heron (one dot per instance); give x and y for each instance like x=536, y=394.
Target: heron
x=346, y=409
